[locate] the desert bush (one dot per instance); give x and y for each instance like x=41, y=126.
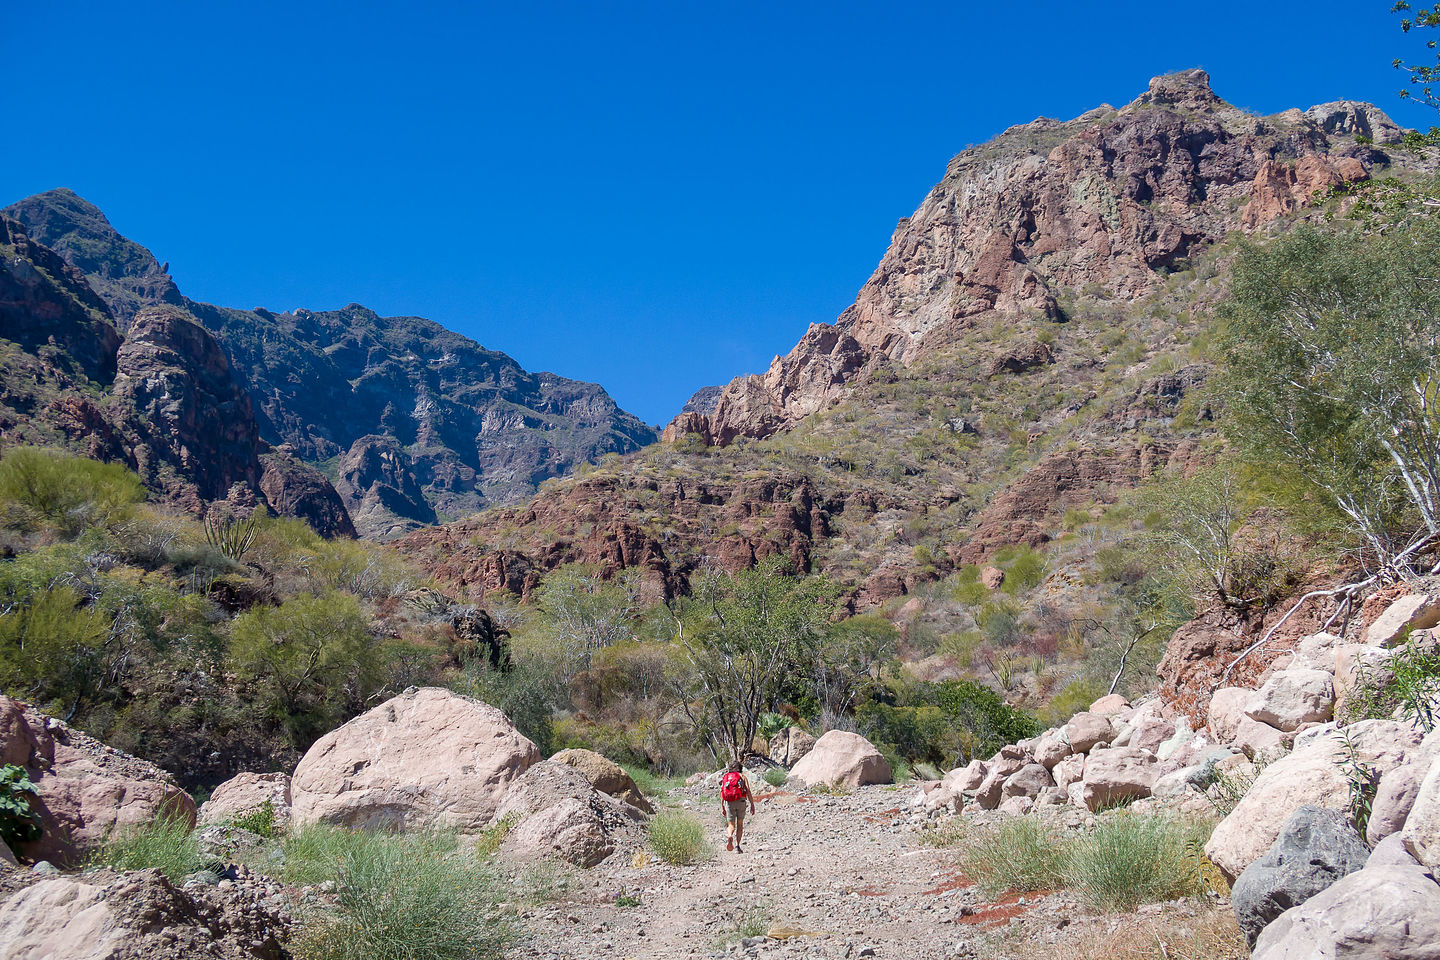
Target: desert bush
x=1018, y=854
x=310, y=659
x=1409, y=683
x=776, y=776
x=678, y=838
x=167, y=844
x=259, y=821
x=368, y=571
x=1129, y=859
x=52, y=650
x=402, y=897
x=41, y=487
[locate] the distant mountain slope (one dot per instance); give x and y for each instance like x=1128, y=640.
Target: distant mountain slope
x=1024, y=352
x=413, y=420
x=161, y=399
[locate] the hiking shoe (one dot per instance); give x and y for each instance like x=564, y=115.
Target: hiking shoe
x=729, y=844
x=738, y=849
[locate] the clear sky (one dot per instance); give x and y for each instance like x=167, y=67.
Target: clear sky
x=652, y=196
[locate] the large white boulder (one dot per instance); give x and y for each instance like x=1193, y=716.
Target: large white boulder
x=1383, y=912
x=427, y=758
x=1292, y=697
x=1227, y=710
x=605, y=775
x=1414, y=611
x=1085, y=730
x=841, y=758
x=1117, y=775
x=553, y=810
x=1421, y=833
x=1313, y=774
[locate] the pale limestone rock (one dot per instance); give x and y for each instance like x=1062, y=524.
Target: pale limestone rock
x=1293, y=697
x=843, y=758
x=427, y=758
x=245, y=793
x=1378, y=913
x=1116, y=775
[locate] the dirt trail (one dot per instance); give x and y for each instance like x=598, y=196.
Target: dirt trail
x=847, y=870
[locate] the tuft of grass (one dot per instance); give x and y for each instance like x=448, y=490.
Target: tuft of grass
x=650, y=783
x=1130, y=859
x=776, y=776
x=678, y=838
x=494, y=835
x=545, y=882
x=951, y=833
x=1019, y=854
x=1210, y=935
x=399, y=897
x=754, y=921
x=167, y=844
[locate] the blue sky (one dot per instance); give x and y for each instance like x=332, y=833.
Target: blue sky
x=652, y=196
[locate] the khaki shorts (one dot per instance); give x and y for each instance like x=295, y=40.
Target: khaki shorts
x=735, y=810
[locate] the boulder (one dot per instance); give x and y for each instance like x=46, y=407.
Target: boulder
x=1317, y=651
x=1314, y=775
x=1149, y=733
x=1028, y=781
x=605, y=775
x=1394, y=798
x=790, y=745
x=968, y=778
x=1315, y=848
x=1227, y=710
x=87, y=791
x=1415, y=611
x=841, y=758
x=245, y=793
x=992, y=577
x=1258, y=740
x=8, y=859
x=1085, y=730
x=1421, y=833
x=1070, y=770
x=1116, y=775
x=139, y=915
x=427, y=758
x=1109, y=705
x=1379, y=913
x=553, y=810
x=1016, y=806
x=1051, y=749
x=1391, y=852
x=1292, y=697
x=1000, y=769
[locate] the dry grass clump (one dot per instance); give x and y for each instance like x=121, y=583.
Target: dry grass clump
x=1212, y=934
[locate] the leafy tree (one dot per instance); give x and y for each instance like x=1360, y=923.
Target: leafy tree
x=845, y=663
x=1328, y=349
x=68, y=493
x=586, y=613
x=310, y=659
x=52, y=650
x=1422, y=75
x=743, y=636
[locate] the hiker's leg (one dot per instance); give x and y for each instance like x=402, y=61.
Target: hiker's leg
x=739, y=830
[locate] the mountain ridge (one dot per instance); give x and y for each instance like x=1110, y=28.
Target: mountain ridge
x=467, y=427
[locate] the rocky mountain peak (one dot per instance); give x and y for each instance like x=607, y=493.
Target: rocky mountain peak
x=1111, y=201
x=1184, y=90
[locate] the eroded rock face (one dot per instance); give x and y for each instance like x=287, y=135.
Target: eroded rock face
x=427, y=758
x=1421, y=834
x=379, y=489
x=87, y=791
x=1111, y=198
x=841, y=758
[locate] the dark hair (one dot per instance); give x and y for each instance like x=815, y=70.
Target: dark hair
x=734, y=767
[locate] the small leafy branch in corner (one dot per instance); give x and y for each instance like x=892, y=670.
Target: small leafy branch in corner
x=231, y=537
x=19, y=820
x=1362, y=780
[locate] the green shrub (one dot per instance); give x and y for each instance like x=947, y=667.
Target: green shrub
x=776, y=776
x=167, y=844
x=52, y=649
x=68, y=493
x=678, y=838
x=1018, y=854
x=401, y=897
x=19, y=820
x=1025, y=573
x=260, y=821
x=310, y=659
x=1410, y=683
x=650, y=783
x=1130, y=859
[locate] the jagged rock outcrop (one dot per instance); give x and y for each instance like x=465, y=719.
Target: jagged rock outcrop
x=1112, y=198
x=380, y=490
x=293, y=488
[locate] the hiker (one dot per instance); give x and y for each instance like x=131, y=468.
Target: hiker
x=734, y=794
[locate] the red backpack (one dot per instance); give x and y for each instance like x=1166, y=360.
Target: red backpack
x=732, y=787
